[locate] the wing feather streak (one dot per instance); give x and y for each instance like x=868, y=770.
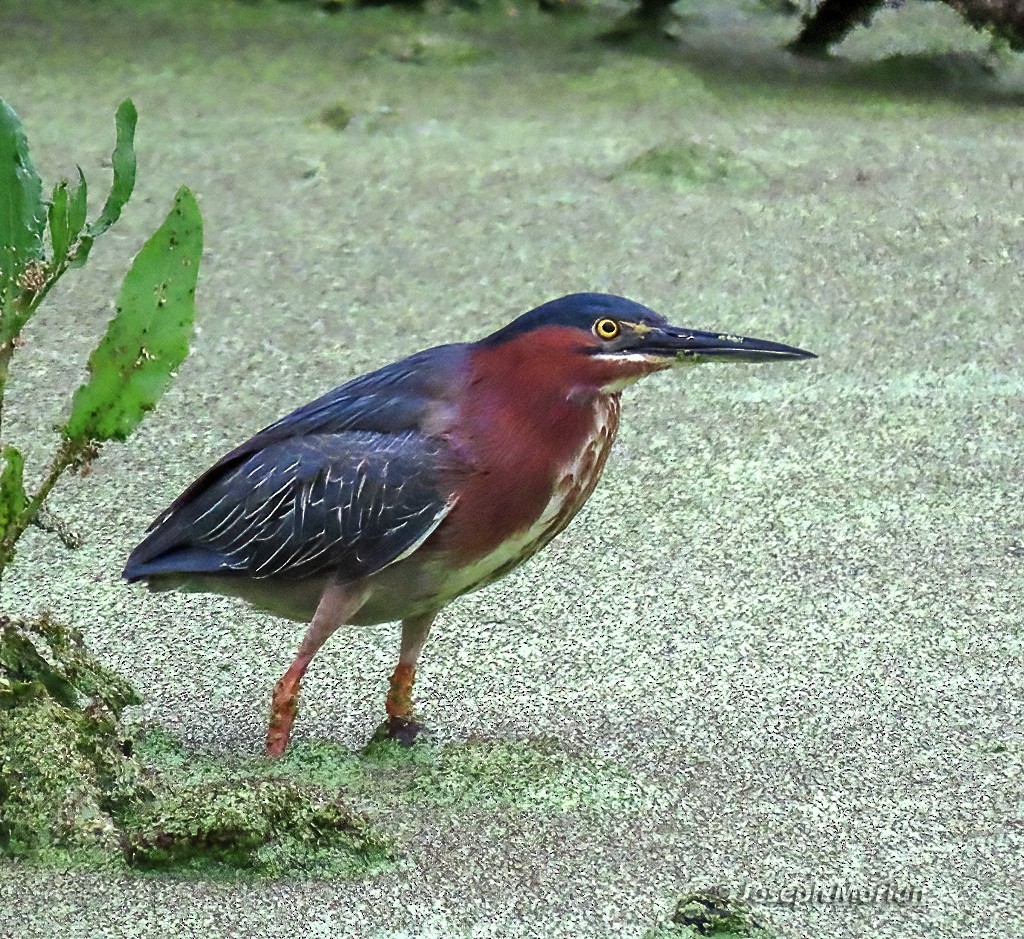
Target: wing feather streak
x=348, y=504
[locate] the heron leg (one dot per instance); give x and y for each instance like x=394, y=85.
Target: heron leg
x=337, y=605
x=401, y=724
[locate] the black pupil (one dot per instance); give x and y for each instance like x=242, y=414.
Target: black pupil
x=607, y=328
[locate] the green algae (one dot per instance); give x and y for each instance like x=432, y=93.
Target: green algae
x=532, y=775
x=639, y=80
x=44, y=653
x=245, y=813
x=314, y=763
x=248, y=815
x=525, y=775
x=932, y=69
x=63, y=778
x=433, y=49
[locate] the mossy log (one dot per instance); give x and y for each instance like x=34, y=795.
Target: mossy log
x=830, y=23
x=1004, y=18
x=833, y=20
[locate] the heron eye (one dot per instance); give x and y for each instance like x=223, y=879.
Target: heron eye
x=606, y=329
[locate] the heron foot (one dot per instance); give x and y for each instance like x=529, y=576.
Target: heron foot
x=402, y=730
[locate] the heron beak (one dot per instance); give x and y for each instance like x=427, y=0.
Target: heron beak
x=688, y=345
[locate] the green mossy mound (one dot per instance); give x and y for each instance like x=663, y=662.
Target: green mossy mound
x=686, y=164
x=73, y=790
x=64, y=669
x=711, y=913
x=270, y=827
x=66, y=770
x=336, y=117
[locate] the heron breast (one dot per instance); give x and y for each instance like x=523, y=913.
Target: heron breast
x=573, y=484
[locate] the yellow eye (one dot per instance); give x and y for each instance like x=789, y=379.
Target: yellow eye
x=606, y=329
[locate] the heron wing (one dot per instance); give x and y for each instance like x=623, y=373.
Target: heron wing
x=391, y=401
x=346, y=503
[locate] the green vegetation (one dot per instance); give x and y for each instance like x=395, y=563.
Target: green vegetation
x=75, y=788
x=71, y=790
x=336, y=117
x=709, y=913
x=535, y=775
x=146, y=340
x=688, y=163
x=433, y=49
x=66, y=772
x=263, y=826
x=65, y=766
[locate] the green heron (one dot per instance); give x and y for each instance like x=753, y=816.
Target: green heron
x=390, y=496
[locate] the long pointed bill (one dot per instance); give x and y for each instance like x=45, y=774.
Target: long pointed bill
x=687, y=345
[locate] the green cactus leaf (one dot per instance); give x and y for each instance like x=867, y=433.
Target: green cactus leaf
x=59, y=234
x=22, y=210
x=12, y=487
x=123, y=161
x=148, y=337
x=77, y=206
x=67, y=218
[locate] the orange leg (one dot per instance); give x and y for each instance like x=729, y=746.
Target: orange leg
x=399, y=703
x=337, y=605
x=401, y=724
